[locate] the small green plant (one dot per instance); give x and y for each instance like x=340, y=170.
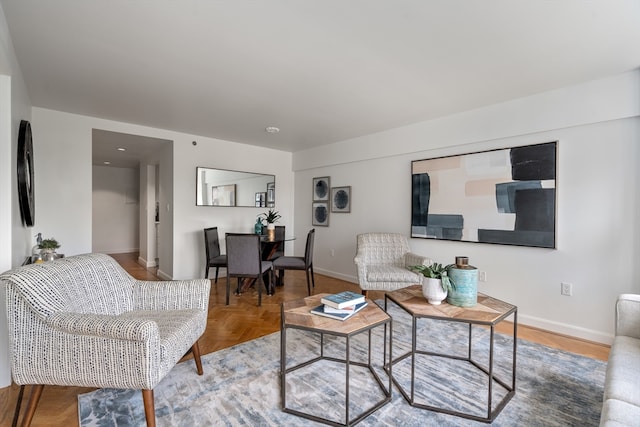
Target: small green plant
x=49, y=244
x=437, y=271
x=271, y=216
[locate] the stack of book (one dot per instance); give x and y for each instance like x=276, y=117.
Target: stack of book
x=340, y=306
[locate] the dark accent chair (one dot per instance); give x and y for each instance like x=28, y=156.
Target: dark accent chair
x=299, y=263
x=244, y=260
x=212, y=250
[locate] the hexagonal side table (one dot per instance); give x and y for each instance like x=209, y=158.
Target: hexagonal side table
x=488, y=312
x=297, y=315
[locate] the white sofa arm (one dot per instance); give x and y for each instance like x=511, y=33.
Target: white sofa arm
x=411, y=259
x=171, y=294
x=628, y=315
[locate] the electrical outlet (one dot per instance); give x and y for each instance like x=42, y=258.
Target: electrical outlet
x=566, y=289
x=482, y=276
x=333, y=253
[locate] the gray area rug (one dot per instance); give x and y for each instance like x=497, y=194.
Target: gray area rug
x=241, y=384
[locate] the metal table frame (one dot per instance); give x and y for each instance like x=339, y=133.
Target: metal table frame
x=387, y=391
x=509, y=387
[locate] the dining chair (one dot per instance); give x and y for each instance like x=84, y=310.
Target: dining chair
x=212, y=251
x=244, y=260
x=299, y=263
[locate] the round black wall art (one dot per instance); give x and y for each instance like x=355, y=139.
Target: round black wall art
x=26, y=194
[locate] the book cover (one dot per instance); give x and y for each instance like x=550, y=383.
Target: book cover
x=320, y=311
x=329, y=309
x=343, y=299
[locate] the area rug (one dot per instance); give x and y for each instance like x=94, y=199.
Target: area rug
x=241, y=384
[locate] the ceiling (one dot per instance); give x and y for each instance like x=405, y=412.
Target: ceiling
x=115, y=149
x=320, y=70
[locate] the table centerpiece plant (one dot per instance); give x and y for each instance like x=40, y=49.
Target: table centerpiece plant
x=436, y=283
x=271, y=217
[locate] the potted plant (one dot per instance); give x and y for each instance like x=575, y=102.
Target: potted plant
x=436, y=283
x=271, y=217
x=48, y=249
x=49, y=246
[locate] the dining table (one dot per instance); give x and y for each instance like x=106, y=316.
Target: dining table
x=268, y=247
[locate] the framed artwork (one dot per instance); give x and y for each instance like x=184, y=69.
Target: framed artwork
x=223, y=195
x=271, y=194
x=321, y=189
x=320, y=212
x=505, y=196
x=261, y=200
x=341, y=199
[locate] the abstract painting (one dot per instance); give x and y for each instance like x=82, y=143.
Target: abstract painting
x=505, y=196
x=320, y=212
x=223, y=195
x=341, y=199
x=321, y=189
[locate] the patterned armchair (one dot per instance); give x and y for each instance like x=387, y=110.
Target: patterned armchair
x=84, y=321
x=382, y=261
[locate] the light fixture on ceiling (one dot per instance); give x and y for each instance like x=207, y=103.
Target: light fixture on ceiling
x=122, y=149
x=272, y=129
x=107, y=163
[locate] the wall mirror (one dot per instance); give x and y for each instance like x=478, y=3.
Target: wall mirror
x=221, y=187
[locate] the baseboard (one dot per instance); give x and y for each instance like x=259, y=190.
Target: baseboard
x=120, y=251
x=345, y=277
x=523, y=319
x=565, y=329
x=164, y=276
x=147, y=264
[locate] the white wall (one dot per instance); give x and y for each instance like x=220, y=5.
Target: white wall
x=598, y=128
x=116, y=209
x=63, y=183
x=15, y=105
x=147, y=252
x=215, y=153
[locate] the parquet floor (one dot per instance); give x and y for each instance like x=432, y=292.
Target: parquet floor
x=238, y=322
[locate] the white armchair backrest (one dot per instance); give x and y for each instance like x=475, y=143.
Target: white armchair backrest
x=90, y=283
x=382, y=248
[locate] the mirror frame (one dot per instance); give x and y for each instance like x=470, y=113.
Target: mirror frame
x=235, y=188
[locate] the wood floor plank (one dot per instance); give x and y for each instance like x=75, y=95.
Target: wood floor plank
x=238, y=322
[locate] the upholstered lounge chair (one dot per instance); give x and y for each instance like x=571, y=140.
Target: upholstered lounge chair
x=382, y=261
x=84, y=321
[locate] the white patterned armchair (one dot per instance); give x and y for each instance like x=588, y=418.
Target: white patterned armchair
x=383, y=261
x=84, y=321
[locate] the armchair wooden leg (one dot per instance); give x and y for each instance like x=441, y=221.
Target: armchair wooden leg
x=195, y=349
x=149, y=407
x=36, y=392
x=364, y=292
x=16, y=413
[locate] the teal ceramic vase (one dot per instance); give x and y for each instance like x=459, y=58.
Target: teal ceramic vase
x=258, y=227
x=465, y=280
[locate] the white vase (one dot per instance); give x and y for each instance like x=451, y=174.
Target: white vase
x=432, y=290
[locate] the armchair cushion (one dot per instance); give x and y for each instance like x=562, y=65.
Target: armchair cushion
x=391, y=273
